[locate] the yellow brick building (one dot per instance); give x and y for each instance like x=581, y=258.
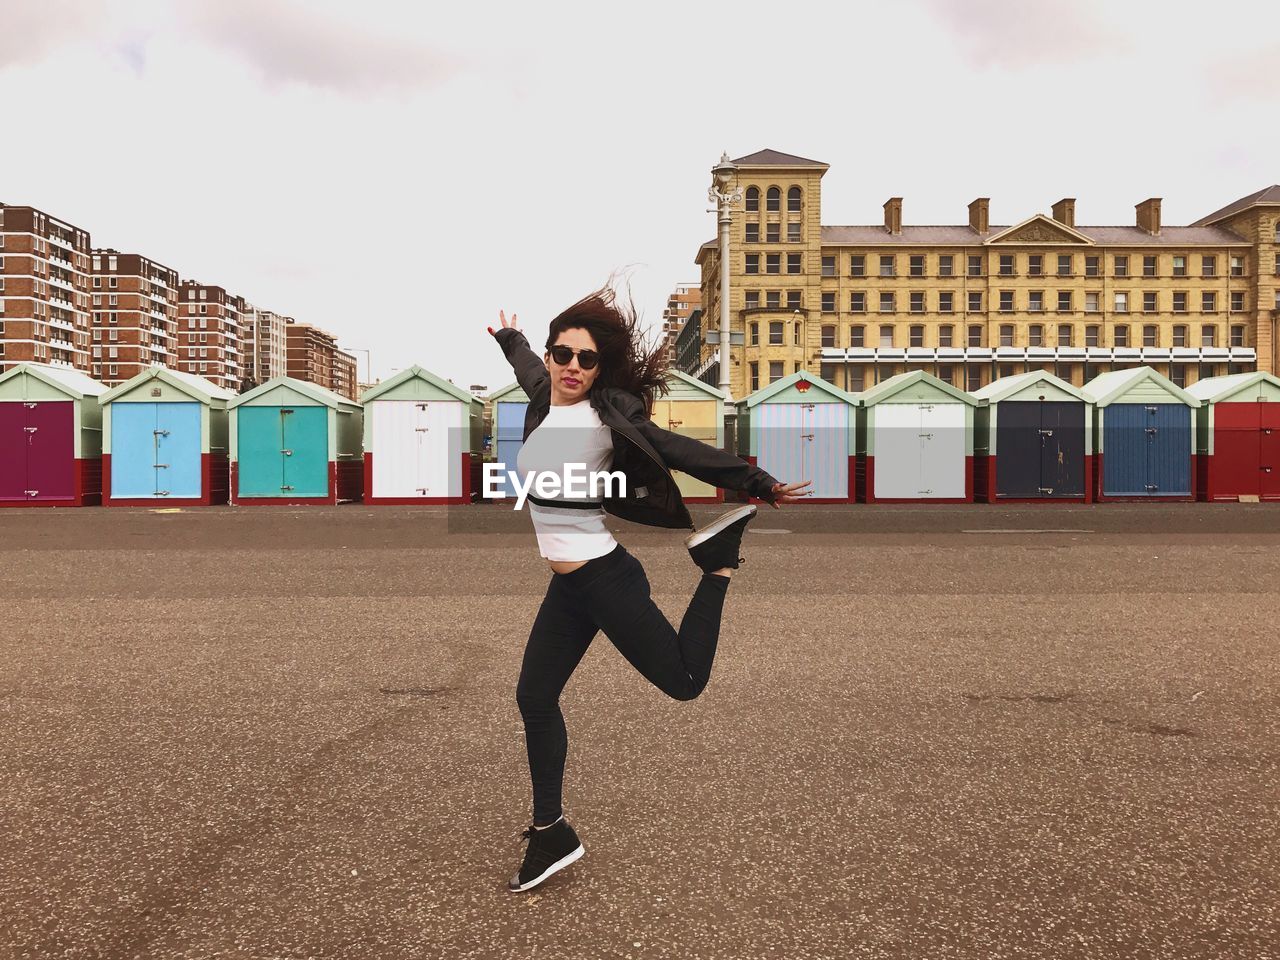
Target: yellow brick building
x=974, y=301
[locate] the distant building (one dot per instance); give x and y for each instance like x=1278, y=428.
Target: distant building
x=312, y=355
x=265, y=352
x=135, y=315
x=686, y=298
x=44, y=290
x=211, y=335
x=688, y=345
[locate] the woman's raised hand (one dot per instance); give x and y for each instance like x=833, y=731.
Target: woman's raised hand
x=782, y=493
x=502, y=318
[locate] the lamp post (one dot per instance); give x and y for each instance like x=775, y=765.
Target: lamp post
x=368, y=362
x=724, y=196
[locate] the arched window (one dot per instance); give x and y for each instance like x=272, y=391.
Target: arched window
x=773, y=200
x=753, y=199
x=793, y=200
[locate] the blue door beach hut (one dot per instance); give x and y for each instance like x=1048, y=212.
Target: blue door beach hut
x=508, y=405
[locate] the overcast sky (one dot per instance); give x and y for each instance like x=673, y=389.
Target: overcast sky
x=397, y=171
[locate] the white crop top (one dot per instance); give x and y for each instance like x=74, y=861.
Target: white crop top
x=570, y=434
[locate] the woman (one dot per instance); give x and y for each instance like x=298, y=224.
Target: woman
x=589, y=402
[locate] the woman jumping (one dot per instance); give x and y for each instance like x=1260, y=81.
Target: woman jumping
x=589, y=402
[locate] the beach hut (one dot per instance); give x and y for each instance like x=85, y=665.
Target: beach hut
x=422, y=440
x=693, y=409
x=293, y=442
x=915, y=435
x=1144, y=431
x=508, y=405
x=164, y=439
x=50, y=437
x=1033, y=440
x=1238, y=436
x=802, y=428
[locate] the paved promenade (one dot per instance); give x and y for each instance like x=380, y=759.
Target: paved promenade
x=960, y=732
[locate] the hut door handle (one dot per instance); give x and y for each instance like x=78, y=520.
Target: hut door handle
x=806, y=436
x=1046, y=490
x=161, y=433
x=162, y=493
x=162, y=466
x=283, y=487
x=31, y=493
x=1151, y=431
x=421, y=429
x=1046, y=433
x=925, y=436
x=32, y=429
x=1151, y=487
x=287, y=453
x=29, y=405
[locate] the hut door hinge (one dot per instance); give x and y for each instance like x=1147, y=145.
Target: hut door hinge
x=422, y=490
x=32, y=429
x=285, y=487
x=160, y=433
x=421, y=429
x=1047, y=491
x=1046, y=433
x=926, y=493
x=29, y=405
x=162, y=493
x=421, y=406
x=162, y=466
x=926, y=436
x=31, y=493
x=1152, y=488
x=806, y=436
x=287, y=453
x=1152, y=431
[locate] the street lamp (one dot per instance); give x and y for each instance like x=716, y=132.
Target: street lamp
x=724, y=196
x=368, y=362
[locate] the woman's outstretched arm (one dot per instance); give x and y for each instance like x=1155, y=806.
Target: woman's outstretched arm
x=531, y=372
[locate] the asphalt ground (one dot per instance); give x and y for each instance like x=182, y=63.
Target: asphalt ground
x=947, y=732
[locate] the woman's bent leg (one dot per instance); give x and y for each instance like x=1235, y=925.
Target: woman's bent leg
x=560, y=636
x=677, y=662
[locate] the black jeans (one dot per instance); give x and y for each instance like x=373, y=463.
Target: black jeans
x=609, y=593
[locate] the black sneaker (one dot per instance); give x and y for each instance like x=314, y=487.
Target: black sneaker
x=716, y=545
x=549, y=850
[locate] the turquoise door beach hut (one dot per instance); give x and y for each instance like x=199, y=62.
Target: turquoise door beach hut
x=802, y=428
x=422, y=440
x=164, y=439
x=293, y=442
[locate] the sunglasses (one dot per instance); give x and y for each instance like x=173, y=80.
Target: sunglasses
x=587, y=359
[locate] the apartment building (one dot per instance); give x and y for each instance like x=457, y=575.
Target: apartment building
x=686, y=298
x=135, y=315
x=211, y=334
x=312, y=355
x=973, y=301
x=44, y=290
x=266, y=351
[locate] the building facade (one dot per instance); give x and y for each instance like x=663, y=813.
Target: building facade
x=266, y=350
x=135, y=315
x=686, y=298
x=44, y=290
x=211, y=334
x=971, y=302
x=312, y=355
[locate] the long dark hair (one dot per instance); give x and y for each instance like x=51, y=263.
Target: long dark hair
x=627, y=360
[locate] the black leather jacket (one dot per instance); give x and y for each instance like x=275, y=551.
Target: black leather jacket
x=642, y=451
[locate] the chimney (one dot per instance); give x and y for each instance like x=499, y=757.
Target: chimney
x=1149, y=216
x=980, y=215
x=893, y=215
x=1064, y=211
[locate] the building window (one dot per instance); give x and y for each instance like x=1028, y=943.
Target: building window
x=828, y=335
x=1122, y=301
x=1237, y=265
x=1064, y=301
x=1179, y=266
x=975, y=301
x=796, y=331
x=1035, y=335
x=1064, y=264
x=1237, y=336
x=753, y=299
x=1035, y=301
x=773, y=200
x=793, y=300
x=773, y=263
x=755, y=369
x=887, y=304
x=1148, y=266
x=946, y=301
x=1064, y=334
x=771, y=234
x=752, y=265
x=828, y=266
x=1091, y=335
x=858, y=302
x=1150, y=335
x=1006, y=301
x=975, y=265
x=1180, y=335
x=775, y=371
x=755, y=333
x=944, y=335
x=793, y=231
x=1208, y=266
x=753, y=232
x=945, y=265
x=775, y=333
x=857, y=265
x=793, y=263
x=886, y=335
x=793, y=200
x=1006, y=334
x=917, y=266
x=753, y=200
x=828, y=301
x=1035, y=265
x=773, y=300
x=917, y=301
x=857, y=378
x=888, y=266
x=975, y=335
x=1006, y=265
x=1091, y=267
x=1237, y=301
x=1091, y=303
x=1121, y=335
x=1178, y=374
x=1179, y=302
x=973, y=379
x=1208, y=335
x=1149, y=301
x=946, y=375
x=1120, y=266
x=857, y=335
x=1208, y=302
x=917, y=335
